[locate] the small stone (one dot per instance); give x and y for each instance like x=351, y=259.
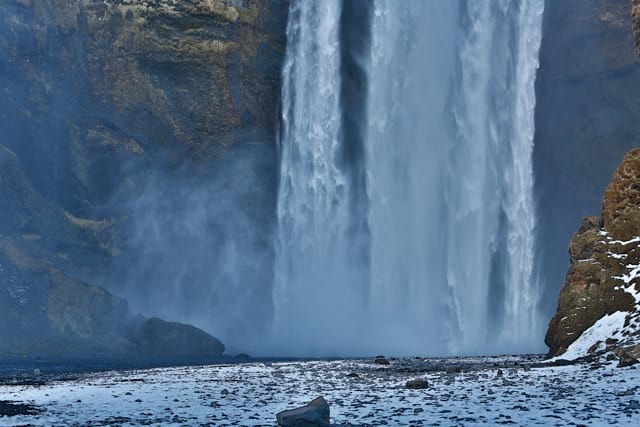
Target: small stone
x=499, y=373
x=381, y=360
x=417, y=384
x=633, y=405
x=314, y=414
x=454, y=370
x=626, y=360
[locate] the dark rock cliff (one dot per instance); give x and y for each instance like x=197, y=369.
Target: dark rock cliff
x=605, y=263
x=97, y=98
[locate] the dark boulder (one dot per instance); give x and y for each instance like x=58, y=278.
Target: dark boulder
x=417, y=384
x=624, y=360
x=158, y=338
x=381, y=360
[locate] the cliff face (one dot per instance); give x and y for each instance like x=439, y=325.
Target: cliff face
x=603, y=282
x=99, y=96
x=588, y=88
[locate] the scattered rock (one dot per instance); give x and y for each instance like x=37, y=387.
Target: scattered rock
x=454, y=370
x=11, y=409
x=633, y=405
x=417, y=384
x=499, y=373
x=314, y=414
x=626, y=360
x=381, y=360
x=352, y=375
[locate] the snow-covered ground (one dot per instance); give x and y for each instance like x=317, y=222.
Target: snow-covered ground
x=359, y=392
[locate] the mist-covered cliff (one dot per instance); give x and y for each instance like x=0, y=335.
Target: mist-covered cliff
x=114, y=117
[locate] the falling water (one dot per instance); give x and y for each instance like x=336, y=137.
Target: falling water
x=315, y=272
x=448, y=226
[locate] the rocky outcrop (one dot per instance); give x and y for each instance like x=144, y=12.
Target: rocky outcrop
x=604, y=277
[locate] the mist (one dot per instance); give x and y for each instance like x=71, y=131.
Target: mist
x=198, y=245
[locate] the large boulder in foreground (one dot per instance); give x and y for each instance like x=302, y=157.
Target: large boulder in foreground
x=599, y=305
x=314, y=414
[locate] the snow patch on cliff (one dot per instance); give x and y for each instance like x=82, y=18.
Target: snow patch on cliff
x=609, y=326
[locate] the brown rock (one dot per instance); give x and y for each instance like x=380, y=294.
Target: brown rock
x=625, y=360
x=622, y=199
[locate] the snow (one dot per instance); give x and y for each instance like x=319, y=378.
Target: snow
x=251, y=394
x=608, y=326
x=616, y=256
x=624, y=242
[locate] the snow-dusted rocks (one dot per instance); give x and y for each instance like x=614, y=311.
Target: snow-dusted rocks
x=252, y=394
x=314, y=414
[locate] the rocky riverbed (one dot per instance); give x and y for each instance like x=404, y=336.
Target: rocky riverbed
x=469, y=391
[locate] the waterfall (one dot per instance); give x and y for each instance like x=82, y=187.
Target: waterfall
x=432, y=252
x=315, y=272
